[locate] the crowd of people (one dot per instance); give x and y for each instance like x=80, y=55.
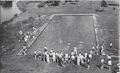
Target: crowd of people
x=75, y=57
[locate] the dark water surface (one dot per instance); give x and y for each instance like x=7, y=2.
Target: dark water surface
x=9, y=12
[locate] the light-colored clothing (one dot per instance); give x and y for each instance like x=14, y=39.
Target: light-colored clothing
x=82, y=59
x=90, y=56
x=78, y=59
x=66, y=57
x=85, y=56
x=75, y=50
x=48, y=59
x=109, y=62
x=102, y=61
x=53, y=56
x=72, y=57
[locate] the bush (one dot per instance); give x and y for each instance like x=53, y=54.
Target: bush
x=54, y=3
x=41, y=5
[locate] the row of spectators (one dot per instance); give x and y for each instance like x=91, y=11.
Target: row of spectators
x=75, y=57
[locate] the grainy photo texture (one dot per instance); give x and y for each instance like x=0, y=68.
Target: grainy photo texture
x=59, y=36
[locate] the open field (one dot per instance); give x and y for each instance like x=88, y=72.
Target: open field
x=77, y=30
x=60, y=31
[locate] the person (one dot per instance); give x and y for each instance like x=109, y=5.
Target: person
x=20, y=32
x=51, y=50
x=87, y=59
x=68, y=43
x=57, y=56
x=90, y=56
x=88, y=63
x=42, y=56
x=103, y=53
x=53, y=56
x=35, y=55
x=85, y=55
x=60, y=56
x=45, y=48
x=72, y=57
x=66, y=58
x=111, y=45
x=39, y=54
x=93, y=50
x=97, y=51
x=108, y=57
x=26, y=38
x=102, y=62
x=78, y=59
x=75, y=50
x=101, y=50
x=47, y=58
x=109, y=64
x=24, y=51
x=82, y=59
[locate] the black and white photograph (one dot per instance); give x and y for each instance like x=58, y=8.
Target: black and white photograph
x=59, y=36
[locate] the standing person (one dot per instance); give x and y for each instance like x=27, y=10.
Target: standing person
x=35, y=55
x=72, y=57
x=53, y=56
x=111, y=45
x=57, y=56
x=97, y=51
x=85, y=55
x=108, y=57
x=47, y=58
x=45, y=48
x=109, y=61
x=66, y=58
x=23, y=51
x=75, y=50
x=42, y=56
x=109, y=64
x=101, y=50
x=51, y=50
x=82, y=59
x=93, y=50
x=78, y=59
x=88, y=63
x=102, y=63
x=39, y=55
x=60, y=58
x=90, y=56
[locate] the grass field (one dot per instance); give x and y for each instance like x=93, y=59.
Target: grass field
x=77, y=30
